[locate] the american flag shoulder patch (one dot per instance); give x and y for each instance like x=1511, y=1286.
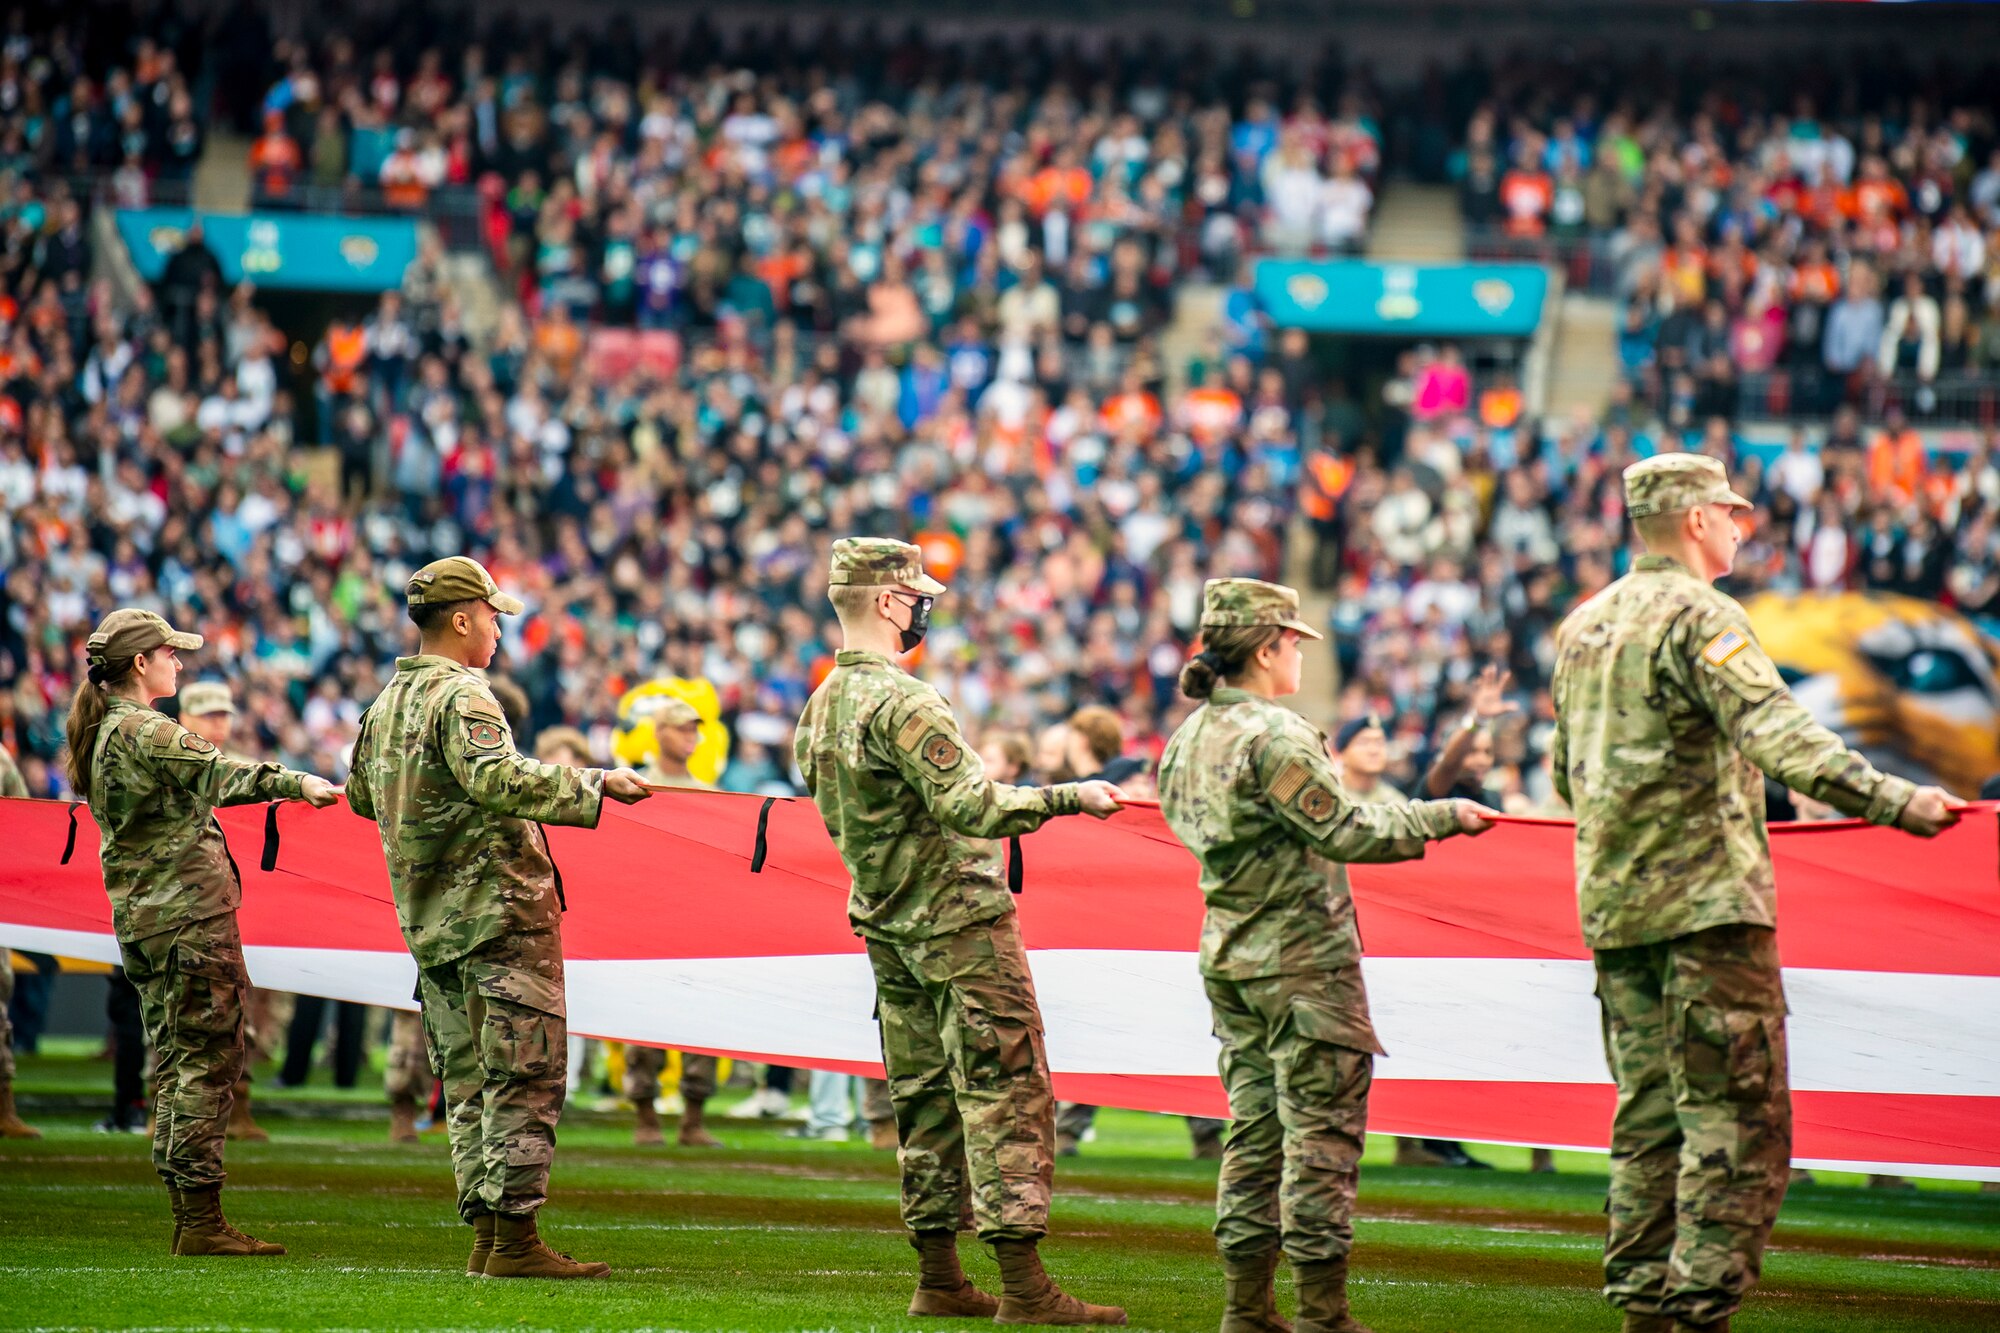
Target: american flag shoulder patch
x=1724, y=646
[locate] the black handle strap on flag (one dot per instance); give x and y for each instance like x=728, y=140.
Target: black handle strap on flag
x=269, y=860
x=1014, y=865
x=561, y=902
x=762, y=847
x=69, y=843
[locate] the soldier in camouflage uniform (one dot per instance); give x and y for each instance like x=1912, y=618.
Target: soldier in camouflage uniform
x=1667, y=708
x=11, y=1125
x=914, y=817
x=152, y=786
x=406, y=1078
x=459, y=812
x=676, y=736
x=1247, y=785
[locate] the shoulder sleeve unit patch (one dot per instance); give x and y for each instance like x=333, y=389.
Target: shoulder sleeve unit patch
x=483, y=735
x=195, y=744
x=1316, y=802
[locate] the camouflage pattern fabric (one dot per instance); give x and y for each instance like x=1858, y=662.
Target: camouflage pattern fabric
x=644, y=1065
x=192, y=986
x=499, y=1040
x=1298, y=1057
x=153, y=789
x=6, y=1027
x=267, y=1022
x=1244, y=774
x=969, y=1081
x=407, y=1076
x=11, y=781
x=436, y=768
x=908, y=803
x=1694, y=1029
x=1668, y=716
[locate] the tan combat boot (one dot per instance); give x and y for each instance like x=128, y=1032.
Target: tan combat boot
x=403, y=1121
x=1027, y=1296
x=204, y=1230
x=694, y=1127
x=241, y=1125
x=943, y=1290
x=1323, y=1298
x=518, y=1252
x=1250, y=1302
x=882, y=1136
x=1412, y=1152
x=11, y=1125
x=646, y=1124
x=482, y=1245
x=1647, y=1323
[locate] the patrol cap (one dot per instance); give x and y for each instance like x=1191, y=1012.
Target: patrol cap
x=128, y=631
x=1668, y=483
x=880, y=562
x=1353, y=727
x=458, y=578
x=204, y=697
x=1245, y=603
x=676, y=713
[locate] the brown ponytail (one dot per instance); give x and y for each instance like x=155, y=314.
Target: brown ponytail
x=1226, y=651
x=86, y=714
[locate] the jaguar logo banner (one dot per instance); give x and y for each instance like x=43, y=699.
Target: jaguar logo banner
x=1480, y=983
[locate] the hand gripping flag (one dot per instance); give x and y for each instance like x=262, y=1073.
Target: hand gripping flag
x=1481, y=985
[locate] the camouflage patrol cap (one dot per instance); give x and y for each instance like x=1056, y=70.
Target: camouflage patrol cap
x=458, y=578
x=880, y=562
x=1668, y=483
x=1244, y=603
x=128, y=631
x=676, y=713
x=205, y=697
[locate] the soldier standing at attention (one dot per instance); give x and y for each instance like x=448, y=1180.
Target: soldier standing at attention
x=676, y=737
x=207, y=710
x=152, y=786
x=11, y=1124
x=914, y=817
x=1666, y=710
x=477, y=896
x=1246, y=784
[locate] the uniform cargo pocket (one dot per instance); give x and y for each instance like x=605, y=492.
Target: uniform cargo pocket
x=1727, y=1054
x=1318, y=1020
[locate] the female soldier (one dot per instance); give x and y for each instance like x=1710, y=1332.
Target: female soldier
x=1247, y=785
x=151, y=785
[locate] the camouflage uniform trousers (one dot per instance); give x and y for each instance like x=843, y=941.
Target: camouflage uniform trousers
x=407, y=1076
x=1694, y=1029
x=644, y=1064
x=267, y=1021
x=6, y=1028
x=502, y=1054
x=969, y=1081
x=192, y=987
x=1297, y=1062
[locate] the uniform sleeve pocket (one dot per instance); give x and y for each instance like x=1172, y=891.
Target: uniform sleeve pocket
x=1319, y=1020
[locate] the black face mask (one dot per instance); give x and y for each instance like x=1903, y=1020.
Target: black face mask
x=920, y=621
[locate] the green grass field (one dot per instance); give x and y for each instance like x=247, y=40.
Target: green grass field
x=779, y=1234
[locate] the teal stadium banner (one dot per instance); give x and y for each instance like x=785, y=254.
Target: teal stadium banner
x=298, y=252
x=1403, y=300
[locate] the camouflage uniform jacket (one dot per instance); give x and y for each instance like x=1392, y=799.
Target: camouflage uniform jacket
x=154, y=787
x=1666, y=708
x=436, y=769
x=1247, y=785
x=908, y=803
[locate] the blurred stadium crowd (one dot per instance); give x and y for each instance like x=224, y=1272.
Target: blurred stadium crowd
x=905, y=298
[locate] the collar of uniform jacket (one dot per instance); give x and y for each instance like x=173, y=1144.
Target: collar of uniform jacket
x=1651, y=562
x=855, y=657
x=1228, y=694
x=424, y=660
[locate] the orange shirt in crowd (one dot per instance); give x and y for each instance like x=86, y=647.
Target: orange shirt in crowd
x=1896, y=465
x=1211, y=412
x=1685, y=271
x=1879, y=199
x=1056, y=187
x=275, y=161
x=1527, y=197
x=1819, y=283
x=346, y=347
x=1137, y=412
x=1500, y=407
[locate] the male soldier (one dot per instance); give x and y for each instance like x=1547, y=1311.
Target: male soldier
x=1667, y=708
x=207, y=710
x=909, y=806
x=11, y=1125
x=476, y=893
x=406, y=1078
x=676, y=736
